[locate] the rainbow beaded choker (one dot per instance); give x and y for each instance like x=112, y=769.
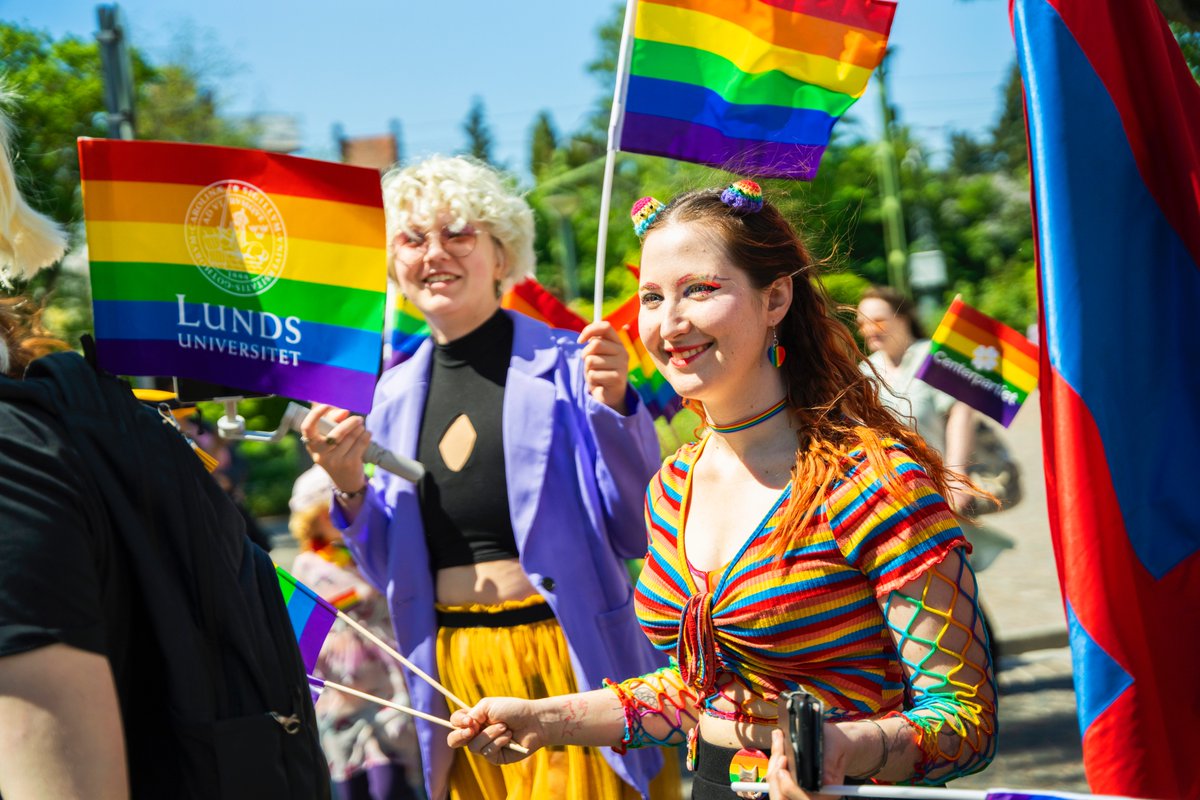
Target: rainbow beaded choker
x=751, y=422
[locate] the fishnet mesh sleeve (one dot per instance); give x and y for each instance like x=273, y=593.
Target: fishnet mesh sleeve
x=943, y=646
x=659, y=708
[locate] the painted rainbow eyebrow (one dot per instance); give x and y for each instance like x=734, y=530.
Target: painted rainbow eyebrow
x=650, y=287
x=693, y=278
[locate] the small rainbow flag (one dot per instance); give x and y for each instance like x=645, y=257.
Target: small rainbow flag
x=238, y=267
x=407, y=328
x=531, y=299
x=344, y=601
x=647, y=381
x=751, y=86
x=982, y=362
x=311, y=616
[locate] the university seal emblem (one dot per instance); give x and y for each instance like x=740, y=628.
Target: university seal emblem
x=236, y=237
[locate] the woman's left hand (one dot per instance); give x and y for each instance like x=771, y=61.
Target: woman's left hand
x=605, y=365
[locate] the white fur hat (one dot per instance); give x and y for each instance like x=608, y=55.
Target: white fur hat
x=313, y=487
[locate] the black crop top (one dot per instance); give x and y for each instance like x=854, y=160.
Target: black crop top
x=464, y=503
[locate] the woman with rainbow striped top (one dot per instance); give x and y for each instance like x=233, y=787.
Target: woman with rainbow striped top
x=804, y=542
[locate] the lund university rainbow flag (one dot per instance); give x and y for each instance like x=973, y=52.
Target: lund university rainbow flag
x=1114, y=134
x=981, y=361
x=751, y=86
x=238, y=267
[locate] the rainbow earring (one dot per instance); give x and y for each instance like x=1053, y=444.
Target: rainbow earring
x=775, y=353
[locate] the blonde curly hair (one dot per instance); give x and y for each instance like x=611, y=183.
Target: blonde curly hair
x=470, y=192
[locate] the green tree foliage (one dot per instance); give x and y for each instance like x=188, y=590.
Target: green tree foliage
x=61, y=97
x=1189, y=43
x=1008, y=134
x=478, y=132
x=543, y=143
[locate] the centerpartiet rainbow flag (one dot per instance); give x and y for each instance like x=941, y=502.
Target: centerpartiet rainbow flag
x=311, y=616
x=751, y=86
x=238, y=267
x=1113, y=116
x=982, y=362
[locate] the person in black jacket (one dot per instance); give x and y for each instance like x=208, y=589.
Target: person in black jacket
x=145, y=648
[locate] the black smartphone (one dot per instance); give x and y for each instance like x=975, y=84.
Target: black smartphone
x=801, y=716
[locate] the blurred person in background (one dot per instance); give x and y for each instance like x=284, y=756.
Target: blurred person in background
x=898, y=346
x=372, y=750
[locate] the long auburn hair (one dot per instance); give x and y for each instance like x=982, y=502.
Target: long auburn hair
x=834, y=405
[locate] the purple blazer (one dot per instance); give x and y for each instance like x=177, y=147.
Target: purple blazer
x=577, y=474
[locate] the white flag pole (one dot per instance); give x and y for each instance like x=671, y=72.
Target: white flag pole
x=930, y=792
x=615, y=121
x=903, y=792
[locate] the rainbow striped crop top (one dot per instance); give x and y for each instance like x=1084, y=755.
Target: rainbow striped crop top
x=810, y=618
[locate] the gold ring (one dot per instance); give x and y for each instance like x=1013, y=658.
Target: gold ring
x=332, y=442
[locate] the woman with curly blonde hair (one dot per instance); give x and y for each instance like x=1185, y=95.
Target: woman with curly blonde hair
x=504, y=567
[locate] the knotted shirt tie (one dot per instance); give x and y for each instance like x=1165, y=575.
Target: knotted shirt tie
x=698, y=645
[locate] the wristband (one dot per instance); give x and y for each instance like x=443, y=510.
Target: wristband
x=883, y=754
x=348, y=496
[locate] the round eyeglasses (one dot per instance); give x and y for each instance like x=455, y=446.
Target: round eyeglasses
x=411, y=246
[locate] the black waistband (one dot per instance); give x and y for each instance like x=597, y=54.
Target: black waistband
x=711, y=781
x=495, y=619
x=712, y=762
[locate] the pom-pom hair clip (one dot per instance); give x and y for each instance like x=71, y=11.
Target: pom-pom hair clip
x=643, y=213
x=744, y=197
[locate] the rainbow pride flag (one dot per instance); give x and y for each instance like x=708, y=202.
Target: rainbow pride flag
x=238, y=267
x=751, y=86
x=531, y=299
x=407, y=328
x=311, y=616
x=982, y=362
x=344, y=601
x=647, y=381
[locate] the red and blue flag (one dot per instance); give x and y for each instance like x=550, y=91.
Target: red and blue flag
x=1114, y=137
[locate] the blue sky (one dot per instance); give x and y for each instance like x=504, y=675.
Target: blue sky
x=366, y=62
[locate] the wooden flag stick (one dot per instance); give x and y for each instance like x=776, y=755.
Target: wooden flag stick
x=385, y=647
x=411, y=711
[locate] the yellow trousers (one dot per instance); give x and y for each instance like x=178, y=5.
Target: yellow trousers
x=527, y=661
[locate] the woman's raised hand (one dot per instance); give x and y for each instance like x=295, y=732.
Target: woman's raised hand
x=492, y=724
x=340, y=452
x=605, y=364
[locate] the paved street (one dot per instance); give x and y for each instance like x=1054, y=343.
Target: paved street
x=1020, y=589
x=1039, y=745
